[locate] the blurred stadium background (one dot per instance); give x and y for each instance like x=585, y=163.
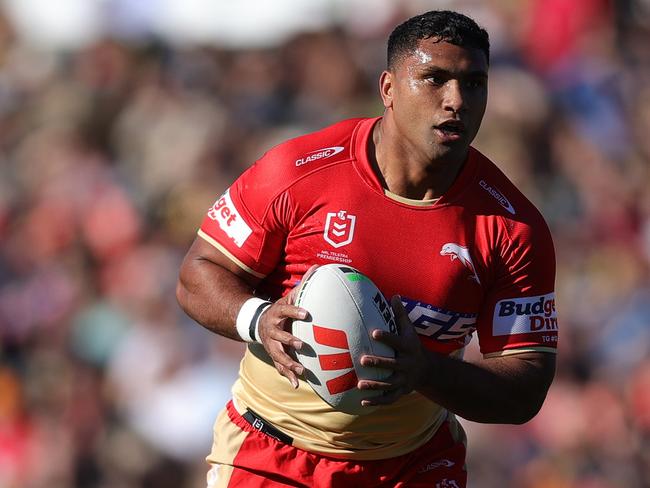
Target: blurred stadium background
x=122, y=120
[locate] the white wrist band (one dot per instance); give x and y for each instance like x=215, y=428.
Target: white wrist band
x=248, y=318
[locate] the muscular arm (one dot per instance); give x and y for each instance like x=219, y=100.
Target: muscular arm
x=211, y=289
x=509, y=389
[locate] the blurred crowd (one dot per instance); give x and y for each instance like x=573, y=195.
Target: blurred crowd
x=111, y=153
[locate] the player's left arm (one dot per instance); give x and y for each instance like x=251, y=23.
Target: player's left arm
x=517, y=331
x=504, y=389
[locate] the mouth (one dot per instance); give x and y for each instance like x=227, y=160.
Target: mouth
x=451, y=129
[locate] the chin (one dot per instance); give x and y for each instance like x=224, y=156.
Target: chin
x=451, y=154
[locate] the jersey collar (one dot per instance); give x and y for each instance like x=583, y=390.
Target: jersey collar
x=362, y=164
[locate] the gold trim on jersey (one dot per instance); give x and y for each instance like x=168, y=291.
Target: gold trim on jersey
x=229, y=255
x=389, y=431
x=519, y=350
x=409, y=201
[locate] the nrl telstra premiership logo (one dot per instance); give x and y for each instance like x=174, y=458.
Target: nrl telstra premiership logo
x=339, y=228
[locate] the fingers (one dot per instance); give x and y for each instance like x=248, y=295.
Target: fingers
x=386, y=399
x=380, y=362
x=406, y=366
x=286, y=366
x=284, y=311
x=292, y=296
x=406, y=338
x=393, y=340
x=398, y=308
x=392, y=389
x=277, y=341
x=401, y=316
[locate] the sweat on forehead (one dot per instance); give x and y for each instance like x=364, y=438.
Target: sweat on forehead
x=441, y=26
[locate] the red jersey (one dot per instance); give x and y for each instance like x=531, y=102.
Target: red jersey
x=478, y=259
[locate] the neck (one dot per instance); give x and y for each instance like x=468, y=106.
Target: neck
x=406, y=171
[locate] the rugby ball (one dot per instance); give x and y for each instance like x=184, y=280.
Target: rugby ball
x=344, y=308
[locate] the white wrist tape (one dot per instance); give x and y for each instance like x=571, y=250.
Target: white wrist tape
x=248, y=318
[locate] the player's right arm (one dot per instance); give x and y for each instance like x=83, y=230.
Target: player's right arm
x=212, y=290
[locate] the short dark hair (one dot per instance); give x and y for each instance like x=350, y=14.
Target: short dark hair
x=444, y=25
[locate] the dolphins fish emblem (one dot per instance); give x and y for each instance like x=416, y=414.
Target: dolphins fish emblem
x=456, y=251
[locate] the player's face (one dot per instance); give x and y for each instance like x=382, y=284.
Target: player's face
x=437, y=96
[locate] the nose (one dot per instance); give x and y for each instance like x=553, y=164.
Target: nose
x=453, y=99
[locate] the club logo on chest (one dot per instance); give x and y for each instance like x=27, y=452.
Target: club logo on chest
x=461, y=253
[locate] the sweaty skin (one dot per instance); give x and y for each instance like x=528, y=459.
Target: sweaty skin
x=438, y=83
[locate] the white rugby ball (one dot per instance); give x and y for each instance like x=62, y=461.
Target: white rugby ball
x=344, y=308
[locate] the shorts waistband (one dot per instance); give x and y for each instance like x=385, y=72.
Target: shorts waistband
x=258, y=423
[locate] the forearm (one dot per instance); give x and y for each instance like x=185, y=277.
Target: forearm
x=212, y=295
x=498, y=390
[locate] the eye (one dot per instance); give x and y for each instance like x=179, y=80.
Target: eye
x=475, y=83
x=436, y=80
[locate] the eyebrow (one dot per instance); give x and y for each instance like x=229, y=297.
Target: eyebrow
x=430, y=69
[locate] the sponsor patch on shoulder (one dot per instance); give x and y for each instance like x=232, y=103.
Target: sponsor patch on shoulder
x=324, y=153
x=229, y=219
x=498, y=196
x=525, y=315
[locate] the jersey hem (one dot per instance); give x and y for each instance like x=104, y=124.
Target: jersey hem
x=519, y=350
x=307, y=436
x=240, y=406
x=229, y=255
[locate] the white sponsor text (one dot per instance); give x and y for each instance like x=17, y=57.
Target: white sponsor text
x=229, y=219
x=326, y=152
x=496, y=194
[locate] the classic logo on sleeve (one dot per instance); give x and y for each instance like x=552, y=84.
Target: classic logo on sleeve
x=326, y=152
x=229, y=219
x=525, y=315
x=498, y=196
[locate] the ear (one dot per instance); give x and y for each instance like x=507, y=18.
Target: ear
x=386, y=88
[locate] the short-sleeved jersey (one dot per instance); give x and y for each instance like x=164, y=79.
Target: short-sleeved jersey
x=478, y=259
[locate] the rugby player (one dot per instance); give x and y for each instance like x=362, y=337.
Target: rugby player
x=435, y=224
